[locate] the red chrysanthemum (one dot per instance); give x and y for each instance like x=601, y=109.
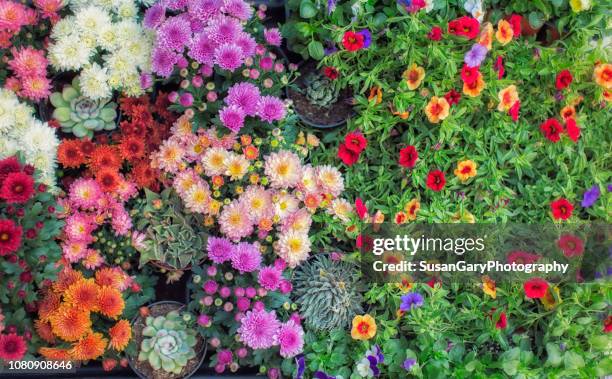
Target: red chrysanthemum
x=17, y=187
x=108, y=179
x=87, y=147
x=535, y=288
x=564, y=79
x=352, y=41
x=561, y=209
x=469, y=75
x=132, y=148
x=355, y=142
x=143, y=174
x=10, y=237
x=552, y=129
x=12, y=347
x=436, y=180
x=7, y=166
x=452, y=97
x=573, y=130
x=347, y=156
x=331, y=72
x=571, y=245
x=105, y=157
x=408, y=156
x=70, y=153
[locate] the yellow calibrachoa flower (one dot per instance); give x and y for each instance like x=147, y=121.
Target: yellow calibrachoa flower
x=568, y=112
x=486, y=36
x=463, y=217
x=488, y=286
x=437, y=109
x=603, y=75
x=504, y=32
x=580, y=5
x=507, y=97
x=552, y=298
x=364, y=327
x=474, y=89
x=466, y=170
x=376, y=93
x=414, y=76
x=412, y=208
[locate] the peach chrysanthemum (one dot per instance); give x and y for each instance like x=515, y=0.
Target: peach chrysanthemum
x=214, y=160
x=236, y=166
x=120, y=335
x=70, y=323
x=170, y=156
x=90, y=347
x=330, y=180
x=258, y=201
x=342, y=209
x=234, y=221
x=284, y=169
x=110, y=302
x=83, y=294
x=92, y=259
x=198, y=198
x=293, y=247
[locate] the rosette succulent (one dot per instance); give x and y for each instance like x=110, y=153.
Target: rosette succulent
x=168, y=343
x=80, y=115
x=328, y=292
x=321, y=90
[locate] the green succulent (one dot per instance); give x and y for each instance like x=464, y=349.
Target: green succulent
x=80, y=115
x=174, y=236
x=329, y=293
x=170, y=343
x=321, y=90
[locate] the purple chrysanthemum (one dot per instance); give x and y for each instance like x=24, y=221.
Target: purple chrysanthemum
x=290, y=339
x=232, y=117
x=475, y=56
x=228, y=57
x=146, y=80
x=238, y=8
x=163, y=61
x=590, y=196
x=246, y=257
x=174, y=33
x=204, y=10
x=154, y=16
x=270, y=278
x=270, y=108
x=410, y=301
x=224, y=29
x=219, y=249
x=259, y=329
x=273, y=36
x=245, y=95
x=247, y=43
x=202, y=49
x=175, y=5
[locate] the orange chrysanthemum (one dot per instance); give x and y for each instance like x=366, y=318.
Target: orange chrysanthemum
x=108, y=179
x=105, y=157
x=143, y=174
x=120, y=335
x=131, y=148
x=108, y=277
x=507, y=97
x=568, y=112
x=48, y=304
x=475, y=88
x=65, y=279
x=504, y=32
x=110, y=302
x=90, y=347
x=83, y=294
x=414, y=75
x=69, y=153
x=437, y=109
x=603, y=75
x=70, y=323
x=43, y=329
x=54, y=354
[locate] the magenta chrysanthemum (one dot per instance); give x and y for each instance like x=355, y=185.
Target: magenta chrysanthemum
x=290, y=339
x=259, y=329
x=121, y=221
x=247, y=43
x=219, y=249
x=175, y=5
x=163, y=61
x=202, y=49
x=35, y=87
x=270, y=108
x=238, y=8
x=224, y=29
x=246, y=257
x=85, y=193
x=228, y=57
x=174, y=33
x=154, y=16
x=273, y=36
x=244, y=95
x=232, y=117
x=270, y=277
x=204, y=9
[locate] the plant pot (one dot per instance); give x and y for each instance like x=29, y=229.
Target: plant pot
x=527, y=29
x=142, y=368
x=549, y=34
x=319, y=117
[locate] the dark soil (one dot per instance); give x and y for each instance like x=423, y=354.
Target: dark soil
x=336, y=113
x=143, y=367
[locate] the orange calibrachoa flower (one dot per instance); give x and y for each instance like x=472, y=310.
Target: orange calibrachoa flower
x=437, y=109
x=603, y=75
x=466, y=170
x=504, y=32
x=401, y=217
x=90, y=347
x=70, y=323
x=375, y=93
x=120, y=335
x=364, y=327
x=474, y=88
x=110, y=302
x=488, y=286
x=568, y=112
x=552, y=298
x=507, y=97
x=83, y=294
x=412, y=208
x=414, y=76
x=607, y=95
x=486, y=36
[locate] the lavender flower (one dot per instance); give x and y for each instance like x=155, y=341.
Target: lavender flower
x=409, y=363
x=301, y=366
x=331, y=6
x=410, y=301
x=590, y=196
x=475, y=56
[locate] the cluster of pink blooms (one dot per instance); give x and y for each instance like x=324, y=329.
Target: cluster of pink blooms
x=29, y=67
x=258, y=329
x=14, y=16
x=86, y=208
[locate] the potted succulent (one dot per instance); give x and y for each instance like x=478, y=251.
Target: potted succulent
x=168, y=345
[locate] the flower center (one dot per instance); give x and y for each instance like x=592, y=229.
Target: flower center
x=18, y=188
x=5, y=236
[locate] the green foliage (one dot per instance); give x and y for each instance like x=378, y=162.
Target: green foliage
x=321, y=90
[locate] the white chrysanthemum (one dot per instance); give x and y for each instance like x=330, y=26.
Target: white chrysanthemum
x=283, y=169
x=258, y=201
x=42, y=161
x=63, y=28
x=39, y=137
x=119, y=64
x=94, y=82
x=342, y=209
x=139, y=50
x=106, y=4
x=126, y=9
x=214, y=161
x=127, y=30
x=284, y=205
x=132, y=87
x=23, y=115
x=69, y=53
x=197, y=198
x=293, y=247
x=108, y=38
x=92, y=19
x=8, y=147
x=308, y=181
x=330, y=180
x=7, y=113
x=236, y=166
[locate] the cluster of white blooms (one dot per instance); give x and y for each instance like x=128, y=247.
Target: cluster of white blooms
x=103, y=41
x=21, y=132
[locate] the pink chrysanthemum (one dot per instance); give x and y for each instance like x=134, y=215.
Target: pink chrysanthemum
x=283, y=169
x=74, y=251
x=228, y=57
x=154, y=16
x=174, y=33
x=163, y=61
x=234, y=221
x=121, y=221
x=273, y=36
x=35, y=88
x=204, y=9
x=85, y=193
x=219, y=249
x=12, y=16
x=126, y=190
x=259, y=203
x=224, y=30
x=246, y=257
x=270, y=108
x=176, y=5
x=92, y=259
x=244, y=95
x=79, y=227
x=28, y=62
x=259, y=329
x=290, y=339
x=247, y=43
x=232, y=117
x=238, y=8
x=202, y=49
x=270, y=277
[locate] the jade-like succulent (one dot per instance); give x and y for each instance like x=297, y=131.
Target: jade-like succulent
x=80, y=115
x=329, y=293
x=321, y=90
x=169, y=344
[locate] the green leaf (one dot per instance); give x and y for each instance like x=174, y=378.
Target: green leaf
x=315, y=49
x=307, y=9
x=573, y=360
x=554, y=355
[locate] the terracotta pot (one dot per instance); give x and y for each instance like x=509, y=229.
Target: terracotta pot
x=527, y=29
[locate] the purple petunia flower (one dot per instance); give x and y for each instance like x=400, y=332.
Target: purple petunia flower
x=163, y=61
x=590, y=196
x=609, y=187
x=367, y=38
x=409, y=363
x=410, y=301
x=154, y=16
x=475, y=56
x=331, y=6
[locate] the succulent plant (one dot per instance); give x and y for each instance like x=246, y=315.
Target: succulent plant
x=174, y=237
x=321, y=90
x=170, y=343
x=329, y=293
x=80, y=115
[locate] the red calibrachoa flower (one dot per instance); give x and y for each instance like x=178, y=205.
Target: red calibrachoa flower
x=515, y=21
x=464, y=26
x=499, y=67
x=10, y=237
x=514, y=111
x=331, y=72
x=573, y=130
x=608, y=324
x=502, y=323
x=355, y=142
x=564, y=79
x=571, y=245
x=452, y=97
x=552, y=129
x=561, y=209
x=17, y=187
x=352, y=41
x=469, y=74
x=435, y=34
x=408, y=156
x=535, y=288
x=522, y=257
x=347, y=156
x=436, y=180
x=361, y=209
